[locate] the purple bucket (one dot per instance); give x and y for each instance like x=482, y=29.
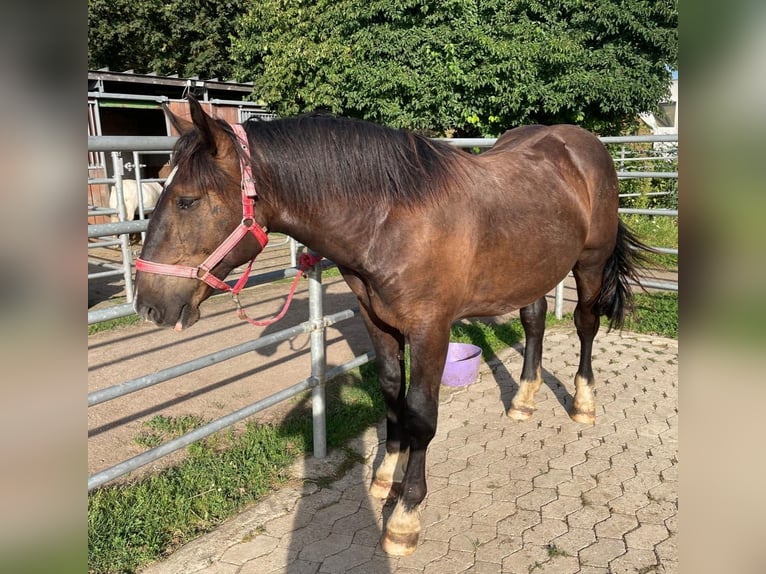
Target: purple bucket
x=462, y=365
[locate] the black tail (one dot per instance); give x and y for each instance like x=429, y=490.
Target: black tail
x=615, y=300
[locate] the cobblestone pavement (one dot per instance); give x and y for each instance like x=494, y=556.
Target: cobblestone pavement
x=539, y=497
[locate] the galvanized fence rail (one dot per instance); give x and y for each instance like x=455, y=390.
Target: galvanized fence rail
x=316, y=325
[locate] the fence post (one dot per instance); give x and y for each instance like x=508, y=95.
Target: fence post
x=318, y=361
x=559, y=300
x=117, y=168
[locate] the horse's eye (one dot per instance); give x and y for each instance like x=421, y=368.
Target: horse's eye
x=185, y=202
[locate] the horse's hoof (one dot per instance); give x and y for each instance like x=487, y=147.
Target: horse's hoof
x=399, y=544
x=585, y=418
x=385, y=490
x=520, y=413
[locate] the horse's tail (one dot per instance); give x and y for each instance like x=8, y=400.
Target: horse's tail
x=615, y=300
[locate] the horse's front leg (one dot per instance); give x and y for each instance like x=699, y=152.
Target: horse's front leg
x=428, y=352
x=389, y=357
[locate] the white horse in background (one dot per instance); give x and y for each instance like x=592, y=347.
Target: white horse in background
x=150, y=192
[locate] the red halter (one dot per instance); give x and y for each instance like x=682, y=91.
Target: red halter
x=248, y=225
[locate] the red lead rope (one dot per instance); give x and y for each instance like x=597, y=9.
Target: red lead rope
x=306, y=261
x=248, y=225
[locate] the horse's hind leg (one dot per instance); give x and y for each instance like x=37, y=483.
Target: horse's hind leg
x=533, y=321
x=389, y=352
x=588, y=276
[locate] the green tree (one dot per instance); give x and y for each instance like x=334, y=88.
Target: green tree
x=461, y=66
x=185, y=37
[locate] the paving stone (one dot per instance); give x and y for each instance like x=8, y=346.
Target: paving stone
x=486, y=458
x=576, y=486
x=428, y=551
x=495, y=550
x=616, y=526
x=667, y=549
x=274, y=561
x=490, y=483
x=493, y=513
x=244, y=551
x=544, y=532
x=344, y=560
x=525, y=560
x=518, y=522
x=656, y=512
x=601, y=494
x=482, y=568
x=376, y=565
x=536, y=499
x=574, y=540
x=472, y=538
x=559, y=565
x=449, y=494
x=512, y=491
x=454, y=562
x=561, y=507
x=642, y=483
x=219, y=568
x=634, y=560
x=468, y=475
x=448, y=467
x=552, y=478
x=587, y=516
x=447, y=528
x=332, y=513
x=470, y=504
x=321, y=549
x=629, y=502
x=368, y=536
x=357, y=521
x=591, y=467
x=567, y=461
x=602, y=552
x=647, y=536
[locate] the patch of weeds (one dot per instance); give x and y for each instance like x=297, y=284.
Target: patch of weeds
x=257, y=531
x=148, y=440
x=535, y=566
x=554, y=551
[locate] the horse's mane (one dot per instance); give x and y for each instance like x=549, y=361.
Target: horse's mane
x=313, y=159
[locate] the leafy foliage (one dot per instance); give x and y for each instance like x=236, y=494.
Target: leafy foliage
x=185, y=37
x=461, y=66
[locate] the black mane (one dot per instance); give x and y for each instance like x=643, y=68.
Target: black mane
x=314, y=159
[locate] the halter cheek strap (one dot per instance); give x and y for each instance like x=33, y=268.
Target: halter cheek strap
x=203, y=271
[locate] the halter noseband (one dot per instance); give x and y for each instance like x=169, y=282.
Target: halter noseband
x=248, y=225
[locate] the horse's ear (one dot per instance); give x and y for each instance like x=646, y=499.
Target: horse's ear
x=180, y=124
x=205, y=124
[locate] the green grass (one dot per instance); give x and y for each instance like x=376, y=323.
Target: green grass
x=655, y=314
x=656, y=231
x=143, y=520
x=113, y=324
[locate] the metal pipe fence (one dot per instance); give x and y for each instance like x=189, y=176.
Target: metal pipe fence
x=315, y=326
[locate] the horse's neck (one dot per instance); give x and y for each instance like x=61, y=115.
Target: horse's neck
x=339, y=233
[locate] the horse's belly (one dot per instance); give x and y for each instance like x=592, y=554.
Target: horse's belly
x=505, y=288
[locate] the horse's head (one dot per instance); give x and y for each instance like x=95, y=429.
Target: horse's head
x=198, y=209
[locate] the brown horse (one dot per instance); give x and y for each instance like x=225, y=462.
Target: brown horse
x=423, y=233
